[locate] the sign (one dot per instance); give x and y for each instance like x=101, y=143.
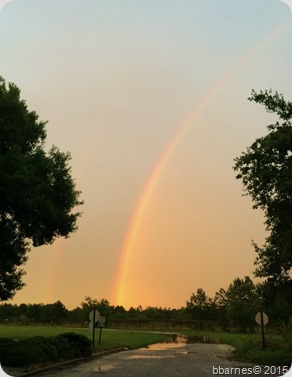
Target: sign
x=94, y=315
x=101, y=322
x=261, y=319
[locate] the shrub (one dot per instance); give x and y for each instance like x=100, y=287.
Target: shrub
x=50, y=352
x=79, y=343
x=5, y=345
x=54, y=348
x=23, y=355
x=40, y=349
x=62, y=347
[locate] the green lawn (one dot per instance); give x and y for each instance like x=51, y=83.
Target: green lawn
x=109, y=339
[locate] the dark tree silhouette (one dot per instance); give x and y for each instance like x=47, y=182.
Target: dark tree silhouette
x=37, y=192
x=266, y=173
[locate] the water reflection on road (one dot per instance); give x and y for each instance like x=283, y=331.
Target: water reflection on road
x=178, y=357
x=184, y=339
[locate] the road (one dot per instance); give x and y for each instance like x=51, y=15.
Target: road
x=161, y=360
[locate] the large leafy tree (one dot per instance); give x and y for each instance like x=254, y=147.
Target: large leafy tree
x=266, y=173
x=37, y=192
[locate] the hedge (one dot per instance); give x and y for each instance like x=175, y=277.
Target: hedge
x=43, y=350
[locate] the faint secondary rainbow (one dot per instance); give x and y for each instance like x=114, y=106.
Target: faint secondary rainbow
x=128, y=247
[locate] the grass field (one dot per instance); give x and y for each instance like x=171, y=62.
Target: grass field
x=109, y=338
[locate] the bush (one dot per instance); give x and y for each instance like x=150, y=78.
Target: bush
x=61, y=347
x=79, y=343
x=40, y=349
x=23, y=355
x=48, y=349
x=5, y=345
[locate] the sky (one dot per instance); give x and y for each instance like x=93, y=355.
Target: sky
x=150, y=98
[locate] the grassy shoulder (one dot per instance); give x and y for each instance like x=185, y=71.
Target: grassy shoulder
x=109, y=338
x=248, y=347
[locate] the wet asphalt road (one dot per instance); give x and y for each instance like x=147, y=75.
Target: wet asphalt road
x=163, y=360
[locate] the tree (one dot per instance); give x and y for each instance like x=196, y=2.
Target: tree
x=102, y=306
x=221, y=301
x=34, y=312
x=37, y=192
x=266, y=173
x=277, y=301
x=242, y=301
x=200, y=306
x=54, y=313
x=89, y=304
x=13, y=249
x=119, y=312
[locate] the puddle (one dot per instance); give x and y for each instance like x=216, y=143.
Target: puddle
x=203, y=339
x=103, y=368
x=175, y=338
x=175, y=341
x=163, y=346
x=151, y=356
x=178, y=339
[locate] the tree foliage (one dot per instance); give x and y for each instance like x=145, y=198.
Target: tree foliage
x=242, y=302
x=102, y=306
x=266, y=173
x=200, y=306
x=37, y=192
x=239, y=303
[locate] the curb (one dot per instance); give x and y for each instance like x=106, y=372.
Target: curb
x=74, y=361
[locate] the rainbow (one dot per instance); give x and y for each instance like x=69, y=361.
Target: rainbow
x=134, y=226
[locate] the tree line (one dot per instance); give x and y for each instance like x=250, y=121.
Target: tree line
x=231, y=308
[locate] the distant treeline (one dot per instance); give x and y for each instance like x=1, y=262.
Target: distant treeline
x=232, y=308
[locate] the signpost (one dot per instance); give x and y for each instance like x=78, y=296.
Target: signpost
x=94, y=317
x=262, y=320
